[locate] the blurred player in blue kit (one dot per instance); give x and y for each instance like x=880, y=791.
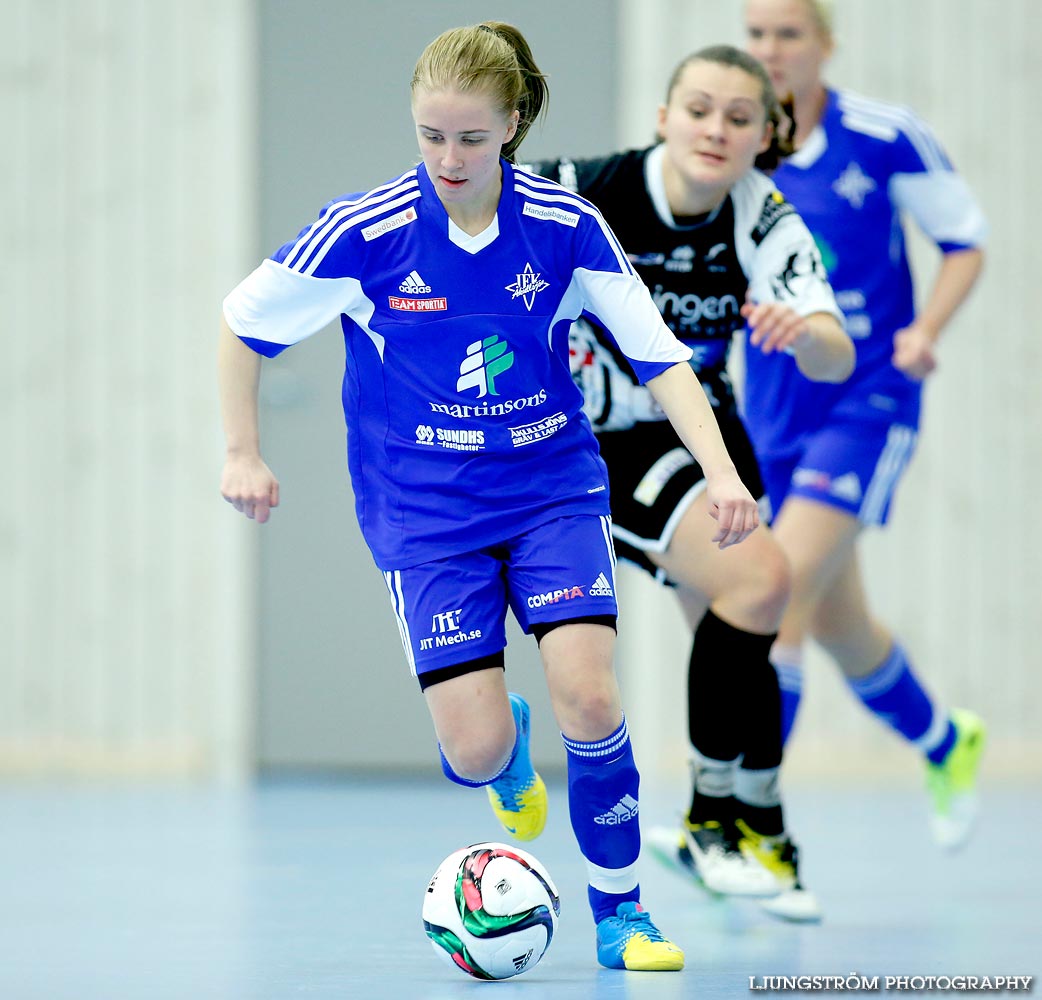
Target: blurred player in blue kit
x=477, y=479
x=831, y=456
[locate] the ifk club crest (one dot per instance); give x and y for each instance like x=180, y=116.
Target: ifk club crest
x=527, y=285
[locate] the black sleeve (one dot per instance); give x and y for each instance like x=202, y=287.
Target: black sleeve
x=585, y=177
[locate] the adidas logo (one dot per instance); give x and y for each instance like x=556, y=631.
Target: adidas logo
x=520, y=961
x=622, y=812
x=414, y=285
x=601, y=587
x=847, y=487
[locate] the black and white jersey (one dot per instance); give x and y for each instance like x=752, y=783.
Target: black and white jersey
x=700, y=269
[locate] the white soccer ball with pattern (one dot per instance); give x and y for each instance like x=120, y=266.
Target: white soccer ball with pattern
x=491, y=911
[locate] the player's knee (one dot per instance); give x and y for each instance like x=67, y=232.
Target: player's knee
x=588, y=713
x=758, y=600
x=774, y=586
x=477, y=760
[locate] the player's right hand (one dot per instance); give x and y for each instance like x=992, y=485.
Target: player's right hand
x=732, y=506
x=249, y=486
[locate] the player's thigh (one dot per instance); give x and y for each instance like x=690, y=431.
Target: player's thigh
x=817, y=539
x=471, y=715
x=753, y=574
x=580, y=676
x=562, y=573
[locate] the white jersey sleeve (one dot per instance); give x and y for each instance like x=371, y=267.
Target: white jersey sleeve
x=776, y=250
x=623, y=305
x=274, y=307
x=612, y=399
x=942, y=205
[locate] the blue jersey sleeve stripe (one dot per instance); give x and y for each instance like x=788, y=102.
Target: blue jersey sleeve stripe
x=557, y=195
x=538, y=183
x=311, y=264
x=331, y=211
x=906, y=122
x=314, y=248
x=314, y=242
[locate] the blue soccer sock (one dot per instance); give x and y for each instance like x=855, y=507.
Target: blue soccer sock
x=788, y=662
x=893, y=693
x=603, y=786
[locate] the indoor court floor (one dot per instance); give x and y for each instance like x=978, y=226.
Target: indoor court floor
x=313, y=889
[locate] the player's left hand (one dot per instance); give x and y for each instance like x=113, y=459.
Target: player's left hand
x=773, y=326
x=732, y=506
x=914, y=352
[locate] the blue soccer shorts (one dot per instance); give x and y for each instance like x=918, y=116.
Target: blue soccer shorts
x=852, y=463
x=454, y=610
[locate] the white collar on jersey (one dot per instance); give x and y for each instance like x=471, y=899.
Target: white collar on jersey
x=656, y=185
x=474, y=244
x=812, y=149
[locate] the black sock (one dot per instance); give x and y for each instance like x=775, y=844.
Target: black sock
x=734, y=710
x=757, y=781
x=705, y=808
x=714, y=686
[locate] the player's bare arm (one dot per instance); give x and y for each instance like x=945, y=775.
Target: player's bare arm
x=246, y=482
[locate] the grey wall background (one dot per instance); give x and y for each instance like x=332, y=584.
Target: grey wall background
x=127, y=208
x=154, y=152
x=334, y=687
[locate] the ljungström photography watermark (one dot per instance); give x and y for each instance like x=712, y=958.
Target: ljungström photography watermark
x=856, y=982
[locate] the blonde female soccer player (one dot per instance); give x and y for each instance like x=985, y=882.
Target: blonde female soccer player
x=477, y=481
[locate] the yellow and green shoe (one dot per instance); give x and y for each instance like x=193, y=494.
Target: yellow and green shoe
x=953, y=783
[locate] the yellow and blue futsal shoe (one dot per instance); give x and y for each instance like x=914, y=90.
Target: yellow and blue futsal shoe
x=629, y=940
x=518, y=795
x=953, y=783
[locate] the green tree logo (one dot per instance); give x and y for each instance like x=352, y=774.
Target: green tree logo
x=486, y=359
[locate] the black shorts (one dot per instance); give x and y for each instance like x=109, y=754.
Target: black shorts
x=654, y=480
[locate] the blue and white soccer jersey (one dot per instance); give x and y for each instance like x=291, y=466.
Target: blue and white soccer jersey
x=464, y=425
x=465, y=428
x=452, y=610
x=865, y=165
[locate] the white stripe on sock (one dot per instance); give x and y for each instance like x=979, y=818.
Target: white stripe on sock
x=757, y=788
x=613, y=880
x=936, y=731
x=712, y=778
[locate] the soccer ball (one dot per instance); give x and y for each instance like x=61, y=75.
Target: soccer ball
x=491, y=910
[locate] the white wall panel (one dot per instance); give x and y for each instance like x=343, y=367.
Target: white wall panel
x=127, y=207
x=958, y=574
x=127, y=213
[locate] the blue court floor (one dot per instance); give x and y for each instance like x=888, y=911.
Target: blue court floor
x=313, y=889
